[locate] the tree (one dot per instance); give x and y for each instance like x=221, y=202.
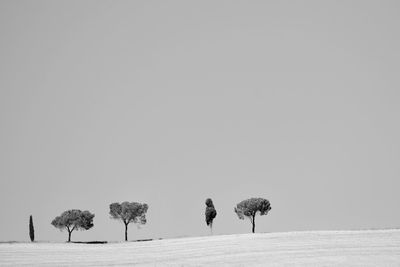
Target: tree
x=250, y=207
x=73, y=220
x=31, y=229
x=129, y=212
x=210, y=213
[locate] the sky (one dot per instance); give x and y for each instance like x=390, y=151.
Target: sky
x=171, y=102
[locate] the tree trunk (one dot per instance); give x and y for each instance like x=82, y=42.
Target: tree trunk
x=254, y=223
x=126, y=232
x=69, y=236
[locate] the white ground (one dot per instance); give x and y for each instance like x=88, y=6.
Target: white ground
x=331, y=248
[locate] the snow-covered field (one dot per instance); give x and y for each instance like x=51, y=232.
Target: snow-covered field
x=327, y=248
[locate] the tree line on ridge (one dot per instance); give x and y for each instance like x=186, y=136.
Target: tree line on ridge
x=134, y=212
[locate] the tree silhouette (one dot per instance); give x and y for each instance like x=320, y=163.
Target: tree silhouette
x=250, y=207
x=129, y=212
x=210, y=213
x=73, y=220
x=31, y=229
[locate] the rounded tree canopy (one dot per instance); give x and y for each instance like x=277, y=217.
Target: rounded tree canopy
x=129, y=212
x=250, y=207
x=74, y=220
x=209, y=202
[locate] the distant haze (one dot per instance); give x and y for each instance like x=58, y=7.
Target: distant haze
x=172, y=102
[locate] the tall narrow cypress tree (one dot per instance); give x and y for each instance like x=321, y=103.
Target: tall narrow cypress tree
x=31, y=229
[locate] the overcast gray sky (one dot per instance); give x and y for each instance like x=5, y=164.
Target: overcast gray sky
x=171, y=102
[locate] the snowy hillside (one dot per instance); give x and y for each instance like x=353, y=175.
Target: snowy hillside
x=327, y=248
